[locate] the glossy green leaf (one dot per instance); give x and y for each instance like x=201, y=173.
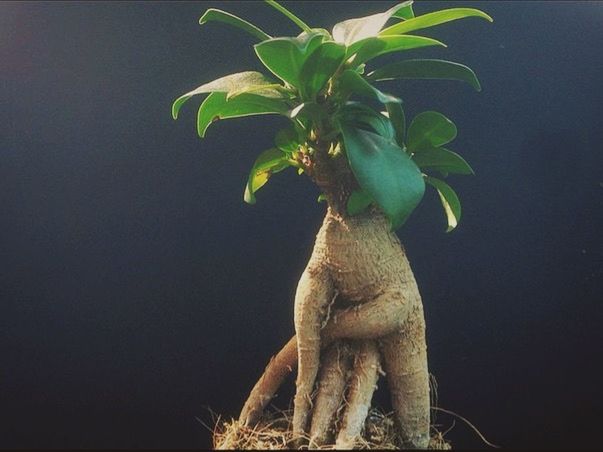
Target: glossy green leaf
x=426, y=69
x=429, y=129
x=300, y=23
x=441, y=159
x=228, y=84
x=406, y=12
x=398, y=120
x=268, y=162
x=352, y=30
x=375, y=46
x=450, y=201
x=218, y=15
x=319, y=67
x=358, y=201
x=432, y=19
x=284, y=57
x=321, y=198
x=216, y=106
x=385, y=172
x=274, y=90
x=352, y=82
x=361, y=116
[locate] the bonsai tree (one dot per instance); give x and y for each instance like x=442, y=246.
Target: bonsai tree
x=357, y=305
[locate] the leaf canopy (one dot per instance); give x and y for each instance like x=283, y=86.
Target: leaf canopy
x=317, y=73
x=449, y=199
x=363, y=117
x=396, y=116
x=429, y=129
x=385, y=173
x=233, y=83
x=216, y=106
x=217, y=15
x=441, y=159
x=268, y=162
x=352, y=30
x=433, y=19
x=426, y=69
x=285, y=57
x=300, y=23
x=319, y=67
x=352, y=82
x=369, y=48
x=358, y=201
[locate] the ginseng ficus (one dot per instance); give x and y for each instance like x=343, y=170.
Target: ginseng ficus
x=357, y=306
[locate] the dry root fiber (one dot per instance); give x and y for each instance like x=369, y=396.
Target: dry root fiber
x=275, y=433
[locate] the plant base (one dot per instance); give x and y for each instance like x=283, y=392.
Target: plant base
x=274, y=433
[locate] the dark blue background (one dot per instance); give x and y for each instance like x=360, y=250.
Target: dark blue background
x=136, y=287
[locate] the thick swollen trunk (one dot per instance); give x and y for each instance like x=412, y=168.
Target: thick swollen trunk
x=357, y=288
x=357, y=285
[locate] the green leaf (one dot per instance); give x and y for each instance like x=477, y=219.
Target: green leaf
x=429, y=129
x=385, y=172
x=426, y=69
x=405, y=12
x=274, y=90
x=216, y=106
x=268, y=162
x=300, y=23
x=319, y=67
x=443, y=160
x=352, y=30
x=450, y=201
x=375, y=46
x=287, y=140
x=352, y=82
x=361, y=116
x=228, y=84
x=398, y=120
x=321, y=198
x=358, y=201
x=284, y=57
x=218, y=15
x=308, y=112
x=432, y=19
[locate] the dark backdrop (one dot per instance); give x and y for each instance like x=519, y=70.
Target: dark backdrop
x=136, y=287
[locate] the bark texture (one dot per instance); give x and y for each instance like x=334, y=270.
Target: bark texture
x=357, y=288
x=335, y=367
x=361, y=388
x=360, y=267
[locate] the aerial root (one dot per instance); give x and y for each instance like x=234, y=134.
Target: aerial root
x=337, y=362
x=361, y=388
x=313, y=297
x=281, y=365
x=378, y=317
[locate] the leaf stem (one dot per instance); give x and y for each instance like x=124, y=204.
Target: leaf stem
x=300, y=23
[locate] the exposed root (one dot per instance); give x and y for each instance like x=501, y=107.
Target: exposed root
x=360, y=392
x=274, y=433
x=473, y=427
x=332, y=382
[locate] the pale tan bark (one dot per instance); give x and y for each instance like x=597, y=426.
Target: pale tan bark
x=361, y=388
x=280, y=365
x=336, y=365
x=362, y=262
x=405, y=362
x=314, y=293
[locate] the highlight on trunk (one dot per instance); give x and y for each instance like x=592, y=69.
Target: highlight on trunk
x=357, y=307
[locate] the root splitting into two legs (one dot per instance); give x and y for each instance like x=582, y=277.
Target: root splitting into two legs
x=359, y=266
